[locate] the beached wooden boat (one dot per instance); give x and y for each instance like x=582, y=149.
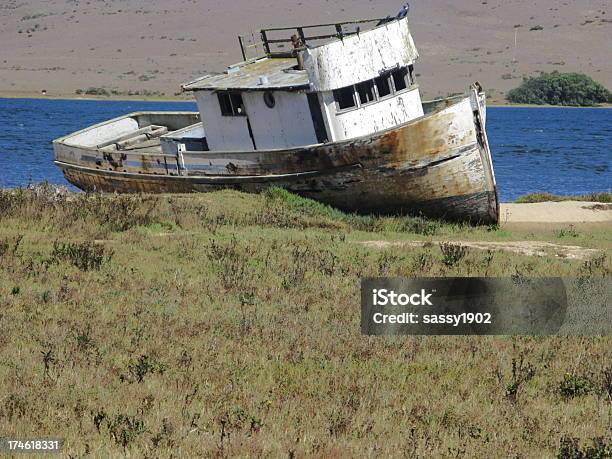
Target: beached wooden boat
x=358, y=140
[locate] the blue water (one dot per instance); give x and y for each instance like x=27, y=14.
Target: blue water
x=561, y=151
x=557, y=150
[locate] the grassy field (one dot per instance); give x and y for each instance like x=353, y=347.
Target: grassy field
x=227, y=325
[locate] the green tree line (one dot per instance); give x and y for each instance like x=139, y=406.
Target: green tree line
x=560, y=89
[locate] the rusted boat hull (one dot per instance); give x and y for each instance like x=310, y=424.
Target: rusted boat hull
x=438, y=165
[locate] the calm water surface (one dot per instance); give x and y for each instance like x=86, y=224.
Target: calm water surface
x=562, y=151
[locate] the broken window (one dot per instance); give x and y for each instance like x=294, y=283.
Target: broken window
x=366, y=92
x=237, y=104
x=345, y=97
x=231, y=104
x=225, y=104
x=383, y=85
x=400, y=79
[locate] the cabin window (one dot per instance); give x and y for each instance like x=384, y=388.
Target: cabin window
x=366, y=92
x=345, y=97
x=231, y=104
x=370, y=91
x=400, y=78
x=269, y=99
x=383, y=86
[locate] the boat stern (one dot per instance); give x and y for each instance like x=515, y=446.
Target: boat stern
x=130, y=143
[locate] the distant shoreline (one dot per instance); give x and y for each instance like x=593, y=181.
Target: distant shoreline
x=31, y=96
x=497, y=105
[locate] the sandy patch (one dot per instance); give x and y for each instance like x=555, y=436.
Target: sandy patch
x=530, y=248
x=556, y=212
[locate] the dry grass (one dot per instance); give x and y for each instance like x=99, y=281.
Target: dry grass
x=228, y=325
x=547, y=197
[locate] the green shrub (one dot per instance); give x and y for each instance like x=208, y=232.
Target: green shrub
x=570, y=449
x=124, y=430
x=97, y=92
x=522, y=372
x=145, y=365
x=86, y=256
x=560, y=89
x=568, y=232
x=575, y=386
x=452, y=253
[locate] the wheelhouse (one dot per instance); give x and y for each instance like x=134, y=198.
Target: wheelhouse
x=311, y=85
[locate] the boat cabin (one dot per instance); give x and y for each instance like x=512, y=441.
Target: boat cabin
x=310, y=85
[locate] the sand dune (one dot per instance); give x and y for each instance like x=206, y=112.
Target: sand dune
x=155, y=45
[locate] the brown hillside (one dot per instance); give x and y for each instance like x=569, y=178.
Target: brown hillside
x=155, y=45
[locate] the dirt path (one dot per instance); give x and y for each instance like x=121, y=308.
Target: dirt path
x=531, y=248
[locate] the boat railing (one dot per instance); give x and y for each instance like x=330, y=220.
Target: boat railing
x=282, y=41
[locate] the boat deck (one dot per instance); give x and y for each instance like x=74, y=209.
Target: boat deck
x=280, y=73
x=146, y=146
